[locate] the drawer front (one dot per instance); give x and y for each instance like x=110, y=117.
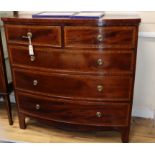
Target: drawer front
x=112, y=62
x=75, y=86
x=41, y=35
x=100, y=37
x=107, y=114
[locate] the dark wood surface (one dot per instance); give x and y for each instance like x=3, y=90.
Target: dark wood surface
x=73, y=112
x=4, y=85
x=113, y=62
x=43, y=36
x=105, y=21
x=82, y=73
x=115, y=88
x=111, y=37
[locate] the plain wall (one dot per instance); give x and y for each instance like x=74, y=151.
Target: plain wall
x=144, y=92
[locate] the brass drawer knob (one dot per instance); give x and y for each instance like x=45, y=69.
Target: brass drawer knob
x=100, y=37
x=37, y=106
x=29, y=35
x=100, y=62
x=32, y=57
x=98, y=114
x=35, y=82
x=100, y=88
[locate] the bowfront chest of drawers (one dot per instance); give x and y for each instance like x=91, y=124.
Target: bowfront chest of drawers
x=81, y=74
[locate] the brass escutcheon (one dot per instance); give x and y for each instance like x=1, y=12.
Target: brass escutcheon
x=32, y=57
x=29, y=34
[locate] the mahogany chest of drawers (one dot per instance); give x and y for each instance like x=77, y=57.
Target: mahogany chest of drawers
x=82, y=71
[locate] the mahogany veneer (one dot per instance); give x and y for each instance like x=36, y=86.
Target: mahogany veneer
x=82, y=72
x=113, y=37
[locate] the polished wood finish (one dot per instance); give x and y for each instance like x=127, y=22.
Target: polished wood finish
x=85, y=81
x=107, y=20
x=43, y=36
x=100, y=37
x=4, y=86
x=115, y=88
x=56, y=110
x=114, y=62
x=142, y=131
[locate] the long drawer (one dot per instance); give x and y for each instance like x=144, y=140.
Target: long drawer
x=100, y=37
x=74, y=86
x=41, y=35
x=108, y=61
x=106, y=114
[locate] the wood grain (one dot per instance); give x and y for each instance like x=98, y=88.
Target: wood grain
x=115, y=88
x=114, y=62
x=60, y=74
x=112, y=114
x=142, y=131
x=105, y=21
x=87, y=37
x=42, y=36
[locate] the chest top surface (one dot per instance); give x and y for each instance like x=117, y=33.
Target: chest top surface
x=105, y=20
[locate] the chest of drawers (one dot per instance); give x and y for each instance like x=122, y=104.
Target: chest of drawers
x=82, y=71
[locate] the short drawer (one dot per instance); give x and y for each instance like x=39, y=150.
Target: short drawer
x=75, y=86
x=100, y=37
x=108, y=61
x=41, y=35
x=107, y=114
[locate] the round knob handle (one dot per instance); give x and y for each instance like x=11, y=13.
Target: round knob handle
x=99, y=88
x=35, y=82
x=100, y=37
x=99, y=114
x=32, y=58
x=29, y=34
x=37, y=106
x=100, y=62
